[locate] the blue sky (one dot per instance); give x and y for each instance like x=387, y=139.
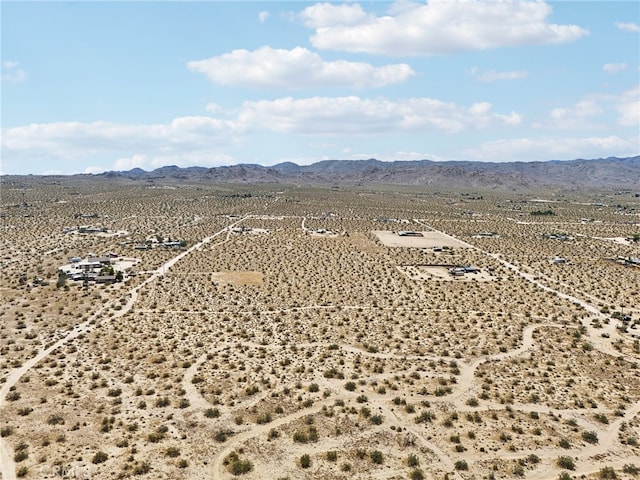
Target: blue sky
x=93, y=86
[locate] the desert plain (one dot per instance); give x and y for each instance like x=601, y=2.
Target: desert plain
x=274, y=332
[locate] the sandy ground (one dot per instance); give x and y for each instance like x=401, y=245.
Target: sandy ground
x=336, y=357
x=429, y=239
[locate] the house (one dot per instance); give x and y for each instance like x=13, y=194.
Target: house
x=86, y=266
x=100, y=260
x=105, y=278
x=469, y=269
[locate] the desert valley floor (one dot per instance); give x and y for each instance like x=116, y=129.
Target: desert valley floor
x=272, y=332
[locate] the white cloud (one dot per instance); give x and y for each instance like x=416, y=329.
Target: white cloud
x=93, y=169
x=534, y=149
x=628, y=27
x=262, y=16
x=128, y=163
x=207, y=141
x=296, y=68
x=183, y=141
x=584, y=114
x=324, y=15
x=493, y=76
x=361, y=116
x=436, y=27
x=614, y=68
x=577, y=116
x=11, y=72
x=213, y=108
x=628, y=107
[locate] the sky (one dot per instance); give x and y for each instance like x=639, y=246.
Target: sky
x=90, y=86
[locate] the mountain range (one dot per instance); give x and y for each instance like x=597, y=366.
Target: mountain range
x=609, y=172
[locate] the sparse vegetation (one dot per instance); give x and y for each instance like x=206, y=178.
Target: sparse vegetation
x=356, y=352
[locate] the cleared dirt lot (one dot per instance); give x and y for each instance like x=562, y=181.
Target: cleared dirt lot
x=427, y=240
x=439, y=272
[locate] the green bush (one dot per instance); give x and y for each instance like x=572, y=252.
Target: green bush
x=416, y=474
x=590, y=437
x=100, y=457
x=237, y=466
x=212, y=413
x=377, y=457
x=565, y=462
x=607, y=473
x=305, y=461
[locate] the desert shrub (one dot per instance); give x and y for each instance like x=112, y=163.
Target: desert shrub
x=607, y=473
x=100, y=457
x=221, y=436
x=631, y=468
x=212, y=413
x=172, y=452
x=425, y=417
x=141, y=468
x=264, y=418
x=237, y=466
x=377, y=419
x=590, y=437
x=305, y=461
x=55, y=419
x=461, y=465
x=416, y=474
x=565, y=462
x=377, y=457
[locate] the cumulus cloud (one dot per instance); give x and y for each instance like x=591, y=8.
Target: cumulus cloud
x=128, y=163
x=614, y=68
x=297, y=68
x=628, y=107
x=207, y=141
x=628, y=27
x=361, y=116
x=436, y=27
x=93, y=169
x=558, y=148
x=12, y=72
x=493, y=76
x=88, y=137
x=262, y=16
x=327, y=15
x=183, y=141
x=577, y=116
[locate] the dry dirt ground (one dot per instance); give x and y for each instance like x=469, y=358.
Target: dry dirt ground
x=263, y=349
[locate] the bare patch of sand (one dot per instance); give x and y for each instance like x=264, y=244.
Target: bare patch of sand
x=424, y=240
x=238, y=278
